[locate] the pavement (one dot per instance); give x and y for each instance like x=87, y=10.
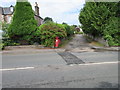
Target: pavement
x=106, y=48
x=30, y=50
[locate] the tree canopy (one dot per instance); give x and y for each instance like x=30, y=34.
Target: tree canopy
x=23, y=23
x=48, y=19
x=100, y=19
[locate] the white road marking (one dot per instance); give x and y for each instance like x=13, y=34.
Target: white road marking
x=24, y=68
x=11, y=69
x=99, y=63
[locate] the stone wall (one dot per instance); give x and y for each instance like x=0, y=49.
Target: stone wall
x=39, y=20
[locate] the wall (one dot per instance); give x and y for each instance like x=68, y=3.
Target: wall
x=8, y=18
x=39, y=20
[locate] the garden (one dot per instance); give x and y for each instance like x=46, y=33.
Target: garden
x=23, y=29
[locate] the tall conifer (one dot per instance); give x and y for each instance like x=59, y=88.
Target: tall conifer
x=23, y=23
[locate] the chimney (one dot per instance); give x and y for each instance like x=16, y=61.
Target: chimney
x=36, y=9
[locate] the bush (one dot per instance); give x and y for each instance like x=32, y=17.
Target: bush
x=48, y=31
x=5, y=27
x=69, y=30
x=2, y=46
x=79, y=32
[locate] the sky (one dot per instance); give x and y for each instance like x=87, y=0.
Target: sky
x=59, y=10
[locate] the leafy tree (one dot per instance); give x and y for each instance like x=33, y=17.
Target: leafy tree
x=111, y=32
x=74, y=26
x=97, y=18
x=48, y=19
x=69, y=29
x=23, y=25
x=64, y=23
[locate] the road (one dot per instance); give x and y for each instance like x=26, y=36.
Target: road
x=69, y=69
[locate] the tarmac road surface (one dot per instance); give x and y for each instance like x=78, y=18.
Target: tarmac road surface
x=50, y=70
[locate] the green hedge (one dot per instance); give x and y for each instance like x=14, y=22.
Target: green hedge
x=69, y=29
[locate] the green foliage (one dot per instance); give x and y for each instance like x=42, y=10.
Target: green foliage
x=111, y=32
x=2, y=46
x=0, y=24
x=48, y=19
x=72, y=29
x=49, y=31
x=9, y=42
x=79, y=32
x=5, y=27
x=96, y=20
x=23, y=24
x=69, y=29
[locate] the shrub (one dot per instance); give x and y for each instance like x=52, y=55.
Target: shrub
x=2, y=46
x=5, y=27
x=49, y=31
x=69, y=30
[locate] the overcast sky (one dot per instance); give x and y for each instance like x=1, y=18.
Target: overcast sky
x=59, y=10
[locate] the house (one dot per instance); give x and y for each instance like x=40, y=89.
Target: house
x=78, y=29
x=37, y=15
x=6, y=14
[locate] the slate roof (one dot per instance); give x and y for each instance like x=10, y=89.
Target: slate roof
x=1, y=10
x=5, y=11
x=38, y=16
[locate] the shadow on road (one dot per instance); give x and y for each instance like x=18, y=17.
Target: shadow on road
x=107, y=85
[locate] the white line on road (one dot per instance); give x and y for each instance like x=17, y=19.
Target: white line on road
x=99, y=63
x=22, y=68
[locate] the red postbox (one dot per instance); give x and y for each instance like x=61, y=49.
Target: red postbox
x=57, y=41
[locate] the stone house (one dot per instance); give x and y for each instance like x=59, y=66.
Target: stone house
x=37, y=15
x=6, y=14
